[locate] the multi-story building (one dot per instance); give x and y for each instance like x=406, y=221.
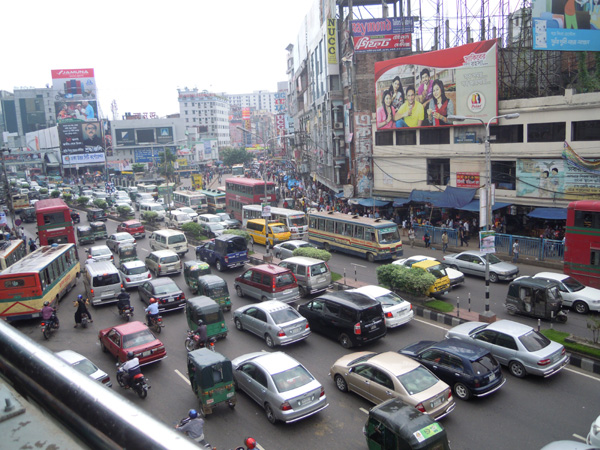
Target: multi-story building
x=206, y=113
x=26, y=110
x=258, y=100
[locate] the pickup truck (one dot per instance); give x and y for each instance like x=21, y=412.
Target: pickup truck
x=225, y=251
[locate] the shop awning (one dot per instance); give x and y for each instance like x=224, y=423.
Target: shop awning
x=454, y=197
x=370, y=202
x=424, y=196
x=339, y=195
x=398, y=202
x=474, y=206
x=549, y=213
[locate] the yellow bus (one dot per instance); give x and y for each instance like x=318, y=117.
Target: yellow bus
x=11, y=252
x=46, y=274
x=373, y=239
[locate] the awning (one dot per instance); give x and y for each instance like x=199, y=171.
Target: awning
x=339, y=195
x=549, y=213
x=454, y=197
x=424, y=196
x=398, y=202
x=370, y=202
x=474, y=206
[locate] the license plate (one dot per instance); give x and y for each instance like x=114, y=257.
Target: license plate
x=492, y=377
x=171, y=300
x=437, y=402
x=304, y=401
x=148, y=353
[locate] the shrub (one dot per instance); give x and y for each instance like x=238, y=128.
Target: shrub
x=313, y=253
x=101, y=203
x=150, y=216
x=193, y=229
x=43, y=191
x=83, y=200
x=124, y=210
x=55, y=194
x=67, y=197
x=405, y=279
x=239, y=233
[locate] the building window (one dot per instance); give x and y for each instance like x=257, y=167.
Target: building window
x=587, y=130
x=438, y=171
x=435, y=136
x=406, y=137
x=546, y=132
x=504, y=174
x=506, y=134
x=384, y=138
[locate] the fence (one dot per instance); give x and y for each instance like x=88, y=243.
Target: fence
x=540, y=249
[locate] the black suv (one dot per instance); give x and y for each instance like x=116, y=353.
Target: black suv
x=350, y=317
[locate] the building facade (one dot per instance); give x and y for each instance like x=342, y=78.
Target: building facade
x=205, y=113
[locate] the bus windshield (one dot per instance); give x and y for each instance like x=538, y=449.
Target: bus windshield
x=388, y=235
x=298, y=221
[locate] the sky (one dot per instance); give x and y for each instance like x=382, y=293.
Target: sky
x=142, y=52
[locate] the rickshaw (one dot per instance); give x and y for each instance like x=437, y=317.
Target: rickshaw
x=99, y=230
x=535, y=297
x=85, y=235
x=96, y=214
x=192, y=270
x=126, y=252
x=211, y=378
x=216, y=288
x=206, y=309
x=394, y=425
x=28, y=215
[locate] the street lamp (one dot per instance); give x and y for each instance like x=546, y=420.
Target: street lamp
x=488, y=191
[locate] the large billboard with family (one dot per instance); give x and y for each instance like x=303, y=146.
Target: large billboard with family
x=424, y=90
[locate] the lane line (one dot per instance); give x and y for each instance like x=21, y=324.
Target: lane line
x=576, y=436
x=426, y=322
x=183, y=377
x=364, y=410
x=582, y=374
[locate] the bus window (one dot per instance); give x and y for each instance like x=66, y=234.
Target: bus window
x=369, y=235
x=339, y=228
x=57, y=217
x=595, y=257
x=348, y=229
x=329, y=226
x=359, y=232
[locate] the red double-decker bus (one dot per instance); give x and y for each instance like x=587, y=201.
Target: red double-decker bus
x=54, y=222
x=582, y=242
x=247, y=191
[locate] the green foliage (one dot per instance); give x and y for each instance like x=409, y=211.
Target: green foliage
x=101, y=203
x=587, y=83
x=43, y=191
x=310, y=252
x=192, y=229
x=404, y=279
x=14, y=183
x=560, y=337
x=124, y=210
x=55, y=194
x=83, y=200
x=150, y=216
x=439, y=305
x=138, y=167
x=231, y=156
x=167, y=165
x=335, y=277
x=242, y=233
x=67, y=197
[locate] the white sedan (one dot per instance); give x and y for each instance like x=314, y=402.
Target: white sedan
x=456, y=276
x=190, y=212
x=581, y=298
x=396, y=310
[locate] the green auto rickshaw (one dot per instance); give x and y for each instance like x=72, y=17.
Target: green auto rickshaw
x=85, y=235
x=216, y=288
x=211, y=378
x=395, y=425
x=127, y=252
x=28, y=215
x=99, y=230
x=192, y=270
x=206, y=309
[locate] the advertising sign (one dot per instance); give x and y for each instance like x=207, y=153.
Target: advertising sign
x=74, y=84
x=423, y=90
x=76, y=111
x=383, y=43
x=567, y=25
x=81, y=143
x=150, y=154
x=182, y=162
x=125, y=136
x=197, y=181
x=379, y=27
x=164, y=135
x=332, y=42
x=467, y=179
x=487, y=241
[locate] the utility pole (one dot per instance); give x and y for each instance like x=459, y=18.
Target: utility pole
x=7, y=186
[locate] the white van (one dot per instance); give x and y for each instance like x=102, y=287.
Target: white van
x=156, y=207
x=169, y=240
x=102, y=282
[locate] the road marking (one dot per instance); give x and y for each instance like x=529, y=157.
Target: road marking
x=182, y=376
x=364, y=410
x=582, y=374
x=426, y=322
x=576, y=436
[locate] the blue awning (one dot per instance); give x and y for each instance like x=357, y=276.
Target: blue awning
x=474, y=206
x=339, y=195
x=454, y=197
x=549, y=213
x=424, y=196
x=398, y=202
x=369, y=202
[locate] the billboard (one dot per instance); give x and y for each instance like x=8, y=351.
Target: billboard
x=76, y=111
x=380, y=35
x=164, y=135
x=81, y=143
x=467, y=179
x=384, y=43
x=73, y=84
x=150, y=154
x=567, y=25
x=423, y=90
x=125, y=136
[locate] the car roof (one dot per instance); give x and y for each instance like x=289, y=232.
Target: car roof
x=70, y=356
x=123, y=233
x=99, y=247
x=209, y=216
x=275, y=362
x=510, y=327
x=355, y=300
x=551, y=275
x=371, y=290
x=303, y=260
x=270, y=268
x=133, y=264
x=211, y=279
x=132, y=222
x=541, y=282
x=129, y=327
x=161, y=281
x=462, y=348
x=168, y=232
x=393, y=362
x=163, y=253
x=471, y=252
x=294, y=242
x=270, y=305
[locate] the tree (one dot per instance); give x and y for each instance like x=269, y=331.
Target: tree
x=138, y=167
x=101, y=203
x=55, y=194
x=83, y=200
x=167, y=165
x=231, y=156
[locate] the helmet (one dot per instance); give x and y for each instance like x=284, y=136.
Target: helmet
x=89, y=256
x=46, y=303
x=122, y=289
x=79, y=297
x=152, y=300
x=250, y=443
x=200, y=322
x=130, y=355
x=193, y=413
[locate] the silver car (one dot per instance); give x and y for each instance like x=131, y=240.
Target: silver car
x=473, y=263
x=133, y=273
x=117, y=239
x=280, y=384
x=85, y=366
x=286, y=249
x=100, y=253
x=519, y=347
x=274, y=321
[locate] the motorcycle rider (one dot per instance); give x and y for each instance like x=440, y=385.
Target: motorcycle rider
x=194, y=427
x=131, y=368
x=123, y=300
x=49, y=314
x=201, y=332
x=80, y=304
x=151, y=311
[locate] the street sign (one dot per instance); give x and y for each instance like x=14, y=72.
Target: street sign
x=266, y=210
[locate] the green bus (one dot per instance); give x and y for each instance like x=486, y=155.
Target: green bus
x=215, y=200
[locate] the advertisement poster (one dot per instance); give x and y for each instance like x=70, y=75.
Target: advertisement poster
x=567, y=25
x=125, y=136
x=467, y=179
x=424, y=90
x=81, y=143
x=487, y=241
x=384, y=43
x=364, y=148
x=164, y=135
x=74, y=84
x=76, y=111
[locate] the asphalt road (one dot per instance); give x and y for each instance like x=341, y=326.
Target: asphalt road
x=524, y=414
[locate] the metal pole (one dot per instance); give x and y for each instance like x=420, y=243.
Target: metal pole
x=488, y=210
x=7, y=184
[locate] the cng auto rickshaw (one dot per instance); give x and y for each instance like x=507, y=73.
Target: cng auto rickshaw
x=192, y=270
x=28, y=215
x=535, y=297
x=127, y=252
x=99, y=230
x=394, y=425
x=211, y=378
x=85, y=235
x=206, y=309
x=95, y=214
x=216, y=288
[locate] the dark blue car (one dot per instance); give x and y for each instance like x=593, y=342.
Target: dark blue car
x=469, y=369
x=225, y=251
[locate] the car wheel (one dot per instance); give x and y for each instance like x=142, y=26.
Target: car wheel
x=493, y=277
x=219, y=265
x=345, y=340
x=340, y=383
x=278, y=255
x=103, y=347
x=270, y=415
x=238, y=324
x=269, y=341
x=370, y=257
x=302, y=291
x=327, y=247
x=252, y=240
x=239, y=292
x=581, y=307
x=517, y=369
x=462, y=391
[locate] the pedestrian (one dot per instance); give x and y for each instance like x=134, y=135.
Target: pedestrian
x=444, y=241
x=463, y=236
x=515, y=249
x=411, y=237
x=426, y=239
x=32, y=246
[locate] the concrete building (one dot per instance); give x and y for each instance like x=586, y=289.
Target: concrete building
x=258, y=100
x=205, y=113
x=24, y=111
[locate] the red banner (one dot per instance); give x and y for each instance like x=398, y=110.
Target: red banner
x=365, y=44
x=467, y=179
x=73, y=73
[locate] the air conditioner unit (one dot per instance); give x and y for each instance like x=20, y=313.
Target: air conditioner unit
x=338, y=126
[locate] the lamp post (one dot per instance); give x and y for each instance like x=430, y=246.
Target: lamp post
x=488, y=191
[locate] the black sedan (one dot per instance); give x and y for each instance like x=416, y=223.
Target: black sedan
x=469, y=369
x=165, y=291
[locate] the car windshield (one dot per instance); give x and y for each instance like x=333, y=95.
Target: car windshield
x=107, y=279
x=388, y=235
x=534, y=341
x=187, y=210
x=292, y=379
x=124, y=237
x=284, y=315
x=215, y=226
x=276, y=229
x=285, y=279
x=157, y=208
x=224, y=216
x=136, y=270
x=85, y=366
x=318, y=269
x=572, y=284
x=493, y=259
x=176, y=239
x=169, y=259
x=101, y=251
x=372, y=313
x=138, y=338
x=437, y=271
x=297, y=221
x=134, y=225
x=390, y=299
x=236, y=245
x=84, y=232
x=484, y=365
x=417, y=380
x=168, y=288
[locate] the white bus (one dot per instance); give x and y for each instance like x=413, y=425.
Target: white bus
x=295, y=220
x=191, y=199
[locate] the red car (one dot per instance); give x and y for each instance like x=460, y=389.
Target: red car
x=132, y=337
x=133, y=227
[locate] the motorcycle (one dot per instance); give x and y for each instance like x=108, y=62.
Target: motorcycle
x=139, y=383
x=49, y=326
x=155, y=324
x=84, y=320
x=203, y=442
x=192, y=342
x=126, y=313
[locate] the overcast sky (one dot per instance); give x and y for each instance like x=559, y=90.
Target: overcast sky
x=142, y=52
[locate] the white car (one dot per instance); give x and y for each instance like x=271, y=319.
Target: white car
x=396, y=310
x=593, y=437
x=115, y=240
x=133, y=273
x=190, y=212
x=85, y=366
x=178, y=218
x=456, y=276
x=581, y=298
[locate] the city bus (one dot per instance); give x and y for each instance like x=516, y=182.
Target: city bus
x=54, y=222
x=237, y=170
x=295, y=220
x=20, y=202
x=582, y=242
x=11, y=252
x=215, y=200
x=247, y=191
x=373, y=239
x=46, y=274
x=192, y=199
